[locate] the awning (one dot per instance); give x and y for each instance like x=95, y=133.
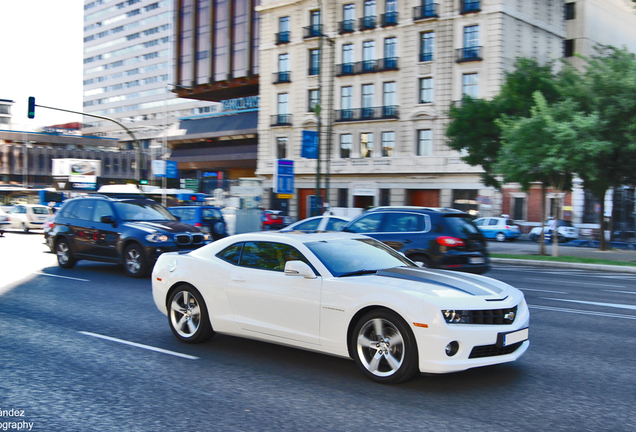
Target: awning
x=228, y=156
x=192, y=130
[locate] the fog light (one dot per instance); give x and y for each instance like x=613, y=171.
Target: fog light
x=452, y=348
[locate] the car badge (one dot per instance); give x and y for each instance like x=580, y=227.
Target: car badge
x=510, y=316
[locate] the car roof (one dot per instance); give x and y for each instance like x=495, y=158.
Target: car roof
x=292, y=236
x=428, y=210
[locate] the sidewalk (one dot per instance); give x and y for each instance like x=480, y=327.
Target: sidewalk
x=531, y=248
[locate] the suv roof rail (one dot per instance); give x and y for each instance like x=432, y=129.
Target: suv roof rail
x=432, y=209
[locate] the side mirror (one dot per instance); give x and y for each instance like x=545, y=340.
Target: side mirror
x=299, y=268
x=108, y=220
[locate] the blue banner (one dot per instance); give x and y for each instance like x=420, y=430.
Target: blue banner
x=310, y=145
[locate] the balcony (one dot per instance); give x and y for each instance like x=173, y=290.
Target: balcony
x=469, y=6
x=368, y=22
x=389, y=19
x=313, y=70
x=281, y=120
x=469, y=54
x=370, y=113
x=347, y=26
x=312, y=31
x=425, y=12
x=283, y=37
x=282, y=77
x=426, y=57
x=367, y=66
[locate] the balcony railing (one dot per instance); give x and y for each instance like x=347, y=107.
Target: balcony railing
x=282, y=77
x=367, y=66
x=283, y=37
x=282, y=120
x=367, y=22
x=347, y=26
x=370, y=113
x=469, y=54
x=313, y=70
x=312, y=31
x=426, y=57
x=469, y=6
x=389, y=19
x=425, y=11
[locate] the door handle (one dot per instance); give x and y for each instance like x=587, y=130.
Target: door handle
x=237, y=279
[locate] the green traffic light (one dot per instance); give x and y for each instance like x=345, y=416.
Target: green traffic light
x=31, y=111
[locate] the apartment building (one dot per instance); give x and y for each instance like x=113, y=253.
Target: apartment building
x=390, y=71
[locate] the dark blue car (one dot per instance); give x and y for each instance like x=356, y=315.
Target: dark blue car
x=206, y=218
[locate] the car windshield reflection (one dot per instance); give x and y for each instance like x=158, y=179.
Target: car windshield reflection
x=350, y=256
x=143, y=211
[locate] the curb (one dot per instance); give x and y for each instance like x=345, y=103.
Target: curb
x=579, y=266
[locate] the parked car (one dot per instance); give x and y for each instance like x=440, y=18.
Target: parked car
x=498, y=228
x=567, y=231
x=326, y=222
x=346, y=295
x=128, y=231
x=206, y=218
x=4, y=222
x=436, y=237
x=26, y=217
x=273, y=220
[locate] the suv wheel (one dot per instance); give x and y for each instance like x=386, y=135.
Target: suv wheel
x=135, y=262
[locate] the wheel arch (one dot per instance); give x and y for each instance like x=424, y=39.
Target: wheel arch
x=356, y=317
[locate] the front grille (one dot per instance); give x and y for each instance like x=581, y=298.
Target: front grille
x=492, y=316
x=493, y=350
x=197, y=238
x=183, y=239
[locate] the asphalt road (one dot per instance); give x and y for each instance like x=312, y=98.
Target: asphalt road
x=57, y=366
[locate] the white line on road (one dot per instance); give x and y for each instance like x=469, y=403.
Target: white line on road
x=575, y=283
x=63, y=277
x=540, y=290
x=583, y=312
x=622, y=292
x=613, y=305
x=148, y=347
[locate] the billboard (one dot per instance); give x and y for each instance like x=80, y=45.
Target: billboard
x=72, y=167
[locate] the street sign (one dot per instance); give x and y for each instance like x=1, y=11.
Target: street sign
x=310, y=145
x=284, y=178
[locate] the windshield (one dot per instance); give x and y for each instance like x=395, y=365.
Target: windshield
x=347, y=256
x=143, y=211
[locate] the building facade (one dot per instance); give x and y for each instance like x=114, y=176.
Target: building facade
x=390, y=71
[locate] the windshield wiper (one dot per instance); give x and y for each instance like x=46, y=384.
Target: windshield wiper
x=359, y=273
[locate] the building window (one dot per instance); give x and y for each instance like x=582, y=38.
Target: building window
x=315, y=27
x=368, y=94
x=343, y=197
x=348, y=61
x=518, y=207
x=348, y=18
x=389, y=98
x=314, y=61
x=390, y=53
x=283, y=75
x=314, y=99
x=570, y=11
x=568, y=49
x=366, y=144
x=368, y=56
x=346, y=102
x=465, y=200
x=346, y=143
x=427, y=46
x=468, y=6
x=368, y=20
x=471, y=42
x=424, y=142
x=470, y=85
x=281, y=148
x=385, y=197
x=283, y=109
x=391, y=16
x=283, y=30
x=426, y=90
x=388, y=143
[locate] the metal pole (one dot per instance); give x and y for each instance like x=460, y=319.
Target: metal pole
x=316, y=210
x=329, y=118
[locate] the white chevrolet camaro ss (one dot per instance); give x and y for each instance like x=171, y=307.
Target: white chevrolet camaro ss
x=342, y=294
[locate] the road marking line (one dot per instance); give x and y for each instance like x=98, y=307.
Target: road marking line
x=622, y=292
x=63, y=277
x=577, y=282
x=583, y=312
x=613, y=305
x=539, y=290
x=138, y=345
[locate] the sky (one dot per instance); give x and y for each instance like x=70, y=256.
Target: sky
x=41, y=56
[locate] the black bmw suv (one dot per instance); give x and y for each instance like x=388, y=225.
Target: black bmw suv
x=128, y=231
x=437, y=237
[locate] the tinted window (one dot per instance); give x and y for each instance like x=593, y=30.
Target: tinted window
x=403, y=222
x=510, y=222
x=493, y=222
x=231, y=254
x=70, y=210
x=368, y=223
x=142, y=211
x=269, y=256
x=102, y=208
x=460, y=225
x=308, y=225
x=40, y=210
x=335, y=224
x=209, y=214
x=85, y=209
x=479, y=222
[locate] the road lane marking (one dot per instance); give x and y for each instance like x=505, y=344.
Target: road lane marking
x=63, y=277
x=613, y=305
x=138, y=345
x=621, y=292
x=577, y=282
x=583, y=312
x=540, y=290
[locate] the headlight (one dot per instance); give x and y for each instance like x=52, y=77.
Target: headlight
x=456, y=316
x=157, y=238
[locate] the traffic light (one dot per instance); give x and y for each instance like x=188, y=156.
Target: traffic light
x=31, y=113
x=143, y=182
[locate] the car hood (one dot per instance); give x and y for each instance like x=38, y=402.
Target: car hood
x=172, y=227
x=440, y=283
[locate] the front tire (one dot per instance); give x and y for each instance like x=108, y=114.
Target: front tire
x=188, y=315
x=65, y=258
x=384, y=347
x=135, y=262
x=25, y=228
x=500, y=237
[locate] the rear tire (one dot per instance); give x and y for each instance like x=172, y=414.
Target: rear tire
x=25, y=228
x=500, y=237
x=65, y=258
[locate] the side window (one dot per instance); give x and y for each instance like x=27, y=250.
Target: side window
x=231, y=254
x=177, y=213
x=479, y=222
x=334, y=224
x=493, y=222
x=209, y=214
x=102, y=208
x=70, y=210
x=269, y=256
x=403, y=222
x=309, y=225
x=369, y=223
x=85, y=210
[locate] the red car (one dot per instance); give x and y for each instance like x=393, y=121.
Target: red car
x=273, y=220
